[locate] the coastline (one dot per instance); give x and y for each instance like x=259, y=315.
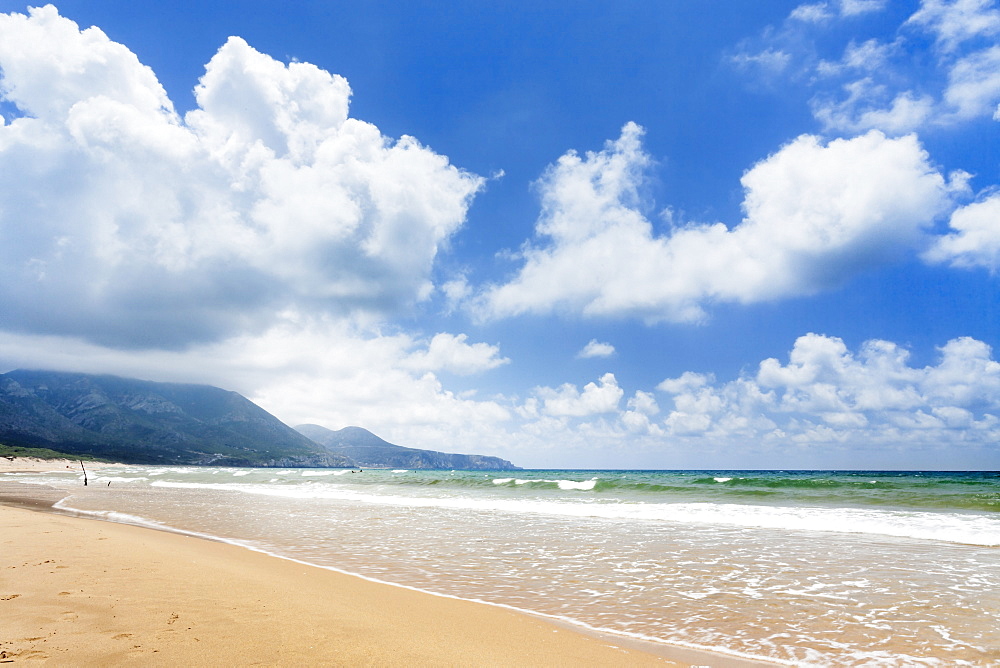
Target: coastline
x=26, y=464
x=94, y=592
x=88, y=592
x=10, y=464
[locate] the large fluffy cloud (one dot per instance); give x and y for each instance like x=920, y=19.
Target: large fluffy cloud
x=124, y=223
x=815, y=214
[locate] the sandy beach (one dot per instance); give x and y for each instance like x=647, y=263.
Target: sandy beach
x=77, y=591
x=82, y=592
x=17, y=464
x=240, y=566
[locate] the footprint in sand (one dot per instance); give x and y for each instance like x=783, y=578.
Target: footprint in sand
x=8, y=597
x=32, y=654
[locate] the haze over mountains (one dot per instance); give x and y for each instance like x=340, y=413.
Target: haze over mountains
x=144, y=422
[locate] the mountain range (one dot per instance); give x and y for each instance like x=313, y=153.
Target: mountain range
x=367, y=449
x=145, y=422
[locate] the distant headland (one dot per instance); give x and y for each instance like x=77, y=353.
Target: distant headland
x=144, y=422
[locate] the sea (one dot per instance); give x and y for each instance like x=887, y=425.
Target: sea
x=804, y=568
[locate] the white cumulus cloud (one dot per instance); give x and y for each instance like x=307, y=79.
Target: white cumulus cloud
x=450, y=352
x=127, y=224
x=826, y=394
x=974, y=84
x=823, y=405
x=815, y=214
x=975, y=237
x=596, y=348
x=568, y=401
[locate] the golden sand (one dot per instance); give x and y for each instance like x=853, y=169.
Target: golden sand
x=84, y=592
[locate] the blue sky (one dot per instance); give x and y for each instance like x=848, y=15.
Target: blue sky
x=647, y=235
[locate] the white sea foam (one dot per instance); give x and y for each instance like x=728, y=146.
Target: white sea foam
x=166, y=470
x=30, y=482
x=113, y=516
x=964, y=528
x=722, y=479
x=58, y=474
x=585, y=485
x=136, y=520
x=237, y=474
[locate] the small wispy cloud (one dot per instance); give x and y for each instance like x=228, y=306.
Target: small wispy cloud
x=596, y=349
x=884, y=82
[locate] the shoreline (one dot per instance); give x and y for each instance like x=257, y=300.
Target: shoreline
x=462, y=632
x=90, y=592
x=10, y=464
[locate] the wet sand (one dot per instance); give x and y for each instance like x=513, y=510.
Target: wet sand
x=77, y=591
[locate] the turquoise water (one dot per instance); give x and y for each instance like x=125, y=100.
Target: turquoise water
x=979, y=491
x=807, y=568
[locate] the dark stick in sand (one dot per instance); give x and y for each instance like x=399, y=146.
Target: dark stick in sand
x=84, y=473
